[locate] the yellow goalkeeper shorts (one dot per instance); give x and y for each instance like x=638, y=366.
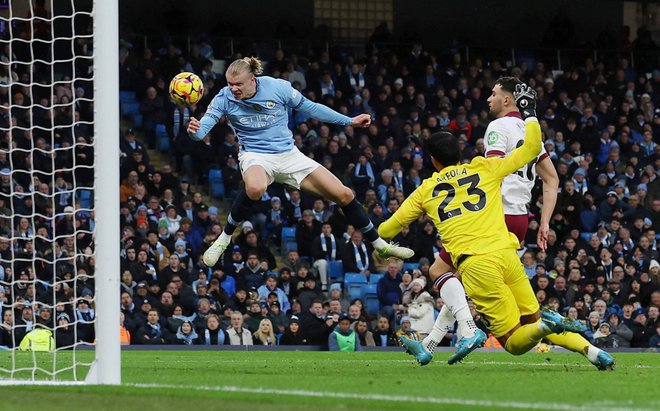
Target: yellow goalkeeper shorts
x=499, y=288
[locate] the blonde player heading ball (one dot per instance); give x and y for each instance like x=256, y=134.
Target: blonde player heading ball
x=465, y=203
x=257, y=108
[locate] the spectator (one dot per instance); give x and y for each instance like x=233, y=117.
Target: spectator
x=275, y=220
x=325, y=248
x=293, y=335
x=271, y=286
x=389, y=292
x=365, y=336
x=254, y=316
x=64, y=334
x=212, y=334
x=344, y=338
x=186, y=334
x=357, y=255
x=231, y=177
x=316, y=325
x=277, y=317
x=642, y=330
x=420, y=309
x=252, y=275
x=654, y=341
x=406, y=330
x=620, y=335
x=383, y=334
x=307, y=230
x=309, y=293
x=237, y=334
x=264, y=334
x=603, y=337
x=152, y=333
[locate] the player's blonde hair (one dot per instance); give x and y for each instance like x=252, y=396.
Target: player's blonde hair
x=246, y=64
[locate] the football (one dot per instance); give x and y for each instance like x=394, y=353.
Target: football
x=186, y=89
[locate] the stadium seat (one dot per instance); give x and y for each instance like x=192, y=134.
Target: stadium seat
x=410, y=266
x=162, y=138
x=219, y=66
x=127, y=96
x=289, y=245
x=353, y=284
x=335, y=271
x=288, y=234
x=129, y=109
x=137, y=120
x=367, y=290
x=372, y=305
x=374, y=278
x=216, y=183
x=586, y=236
x=85, y=198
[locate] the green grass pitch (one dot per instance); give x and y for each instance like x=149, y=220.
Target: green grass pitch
x=221, y=380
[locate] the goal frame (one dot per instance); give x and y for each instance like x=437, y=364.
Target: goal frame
x=106, y=368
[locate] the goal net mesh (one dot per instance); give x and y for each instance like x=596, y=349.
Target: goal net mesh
x=47, y=253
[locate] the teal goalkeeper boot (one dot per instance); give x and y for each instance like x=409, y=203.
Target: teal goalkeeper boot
x=467, y=345
x=416, y=349
x=605, y=361
x=560, y=324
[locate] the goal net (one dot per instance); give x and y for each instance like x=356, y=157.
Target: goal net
x=59, y=281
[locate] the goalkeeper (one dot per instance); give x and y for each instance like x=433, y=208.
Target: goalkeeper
x=465, y=203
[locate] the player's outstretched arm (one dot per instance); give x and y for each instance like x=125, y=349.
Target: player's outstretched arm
x=198, y=129
x=324, y=113
x=548, y=174
x=409, y=211
x=362, y=120
x=526, y=101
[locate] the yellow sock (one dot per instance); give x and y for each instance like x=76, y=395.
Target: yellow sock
x=525, y=338
x=571, y=341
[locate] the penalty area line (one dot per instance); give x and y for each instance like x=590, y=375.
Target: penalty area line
x=397, y=398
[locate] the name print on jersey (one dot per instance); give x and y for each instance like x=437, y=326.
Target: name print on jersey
x=451, y=174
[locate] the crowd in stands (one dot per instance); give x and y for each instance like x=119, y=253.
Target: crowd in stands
x=47, y=259
x=599, y=123
x=276, y=285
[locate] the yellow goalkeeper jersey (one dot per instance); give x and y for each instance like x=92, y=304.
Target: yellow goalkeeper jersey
x=465, y=202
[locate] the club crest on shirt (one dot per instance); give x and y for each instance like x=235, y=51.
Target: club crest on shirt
x=270, y=104
x=492, y=137
x=257, y=107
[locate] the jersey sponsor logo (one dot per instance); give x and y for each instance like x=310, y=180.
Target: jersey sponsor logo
x=493, y=136
x=270, y=104
x=257, y=121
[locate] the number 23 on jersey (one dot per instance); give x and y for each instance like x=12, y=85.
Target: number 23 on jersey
x=474, y=198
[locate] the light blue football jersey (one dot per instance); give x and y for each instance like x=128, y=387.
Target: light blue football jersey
x=261, y=122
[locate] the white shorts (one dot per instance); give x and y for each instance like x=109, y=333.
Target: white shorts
x=288, y=168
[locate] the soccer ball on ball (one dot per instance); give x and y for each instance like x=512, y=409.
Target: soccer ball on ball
x=186, y=89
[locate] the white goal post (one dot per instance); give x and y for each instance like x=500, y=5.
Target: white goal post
x=106, y=84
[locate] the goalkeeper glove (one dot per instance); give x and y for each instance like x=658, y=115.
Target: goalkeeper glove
x=525, y=97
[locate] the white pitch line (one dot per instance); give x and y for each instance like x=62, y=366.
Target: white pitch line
x=411, y=360
x=397, y=398
x=544, y=364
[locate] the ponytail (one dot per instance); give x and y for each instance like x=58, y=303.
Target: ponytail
x=250, y=64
